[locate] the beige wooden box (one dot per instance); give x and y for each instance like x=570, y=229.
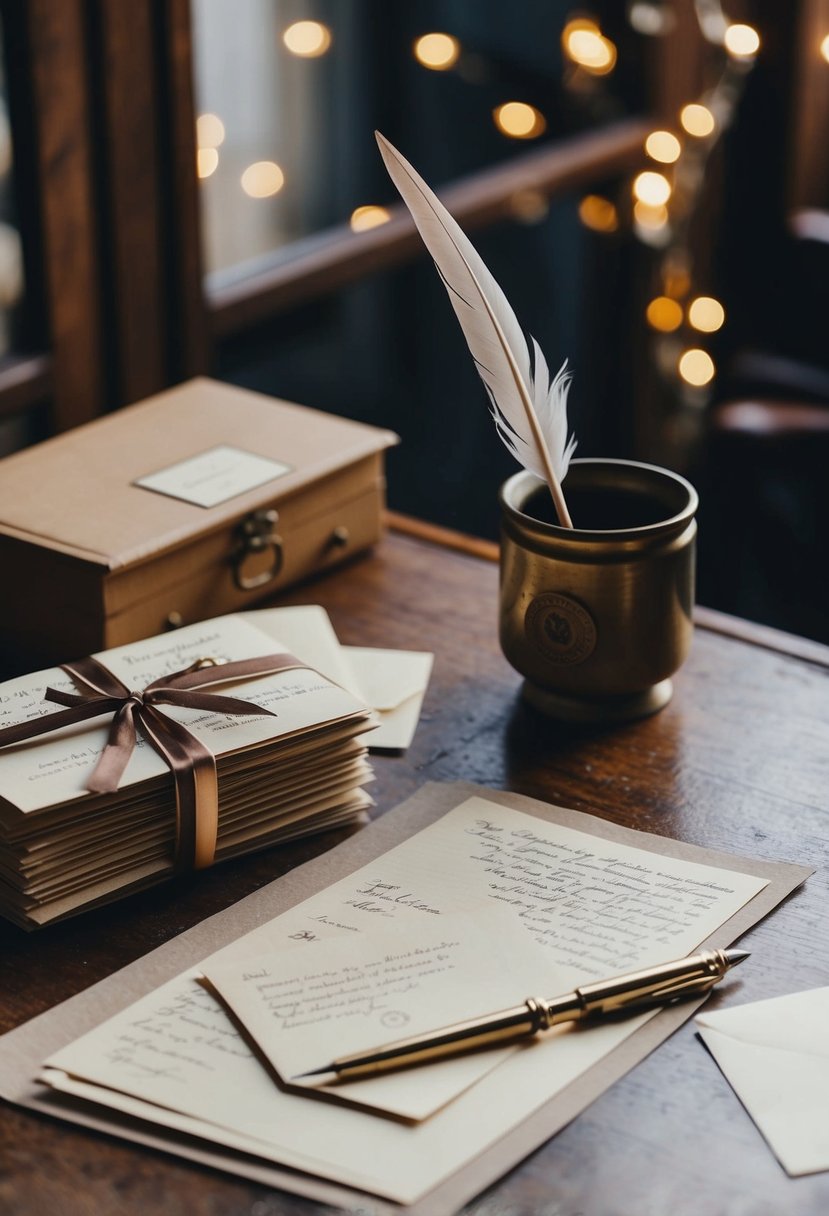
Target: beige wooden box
x=270, y=493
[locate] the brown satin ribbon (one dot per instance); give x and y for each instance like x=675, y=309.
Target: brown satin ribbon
x=192, y=764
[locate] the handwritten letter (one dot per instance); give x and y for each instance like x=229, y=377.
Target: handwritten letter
x=588, y=905
x=595, y=908
x=303, y=1007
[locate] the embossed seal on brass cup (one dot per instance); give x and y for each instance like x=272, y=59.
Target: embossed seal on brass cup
x=598, y=618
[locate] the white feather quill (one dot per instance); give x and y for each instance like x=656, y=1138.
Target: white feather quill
x=529, y=412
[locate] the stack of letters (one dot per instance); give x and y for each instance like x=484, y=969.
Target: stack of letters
x=293, y=764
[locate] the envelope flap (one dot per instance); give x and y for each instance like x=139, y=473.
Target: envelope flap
x=386, y=678
x=796, y=1024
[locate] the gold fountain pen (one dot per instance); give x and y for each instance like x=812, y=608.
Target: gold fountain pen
x=686, y=977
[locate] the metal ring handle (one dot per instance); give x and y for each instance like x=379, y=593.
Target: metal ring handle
x=258, y=544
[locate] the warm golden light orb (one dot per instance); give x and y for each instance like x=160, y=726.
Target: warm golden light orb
x=664, y=314
x=307, y=39
x=598, y=213
x=651, y=188
x=369, y=216
x=697, y=120
x=824, y=48
x=519, y=120
x=663, y=146
x=586, y=45
x=742, y=41
x=438, y=52
x=262, y=179
x=207, y=162
x=210, y=131
x=696, y=367
x=706, y=314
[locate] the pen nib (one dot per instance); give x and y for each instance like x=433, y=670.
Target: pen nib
x=734, y=957
x=315, y=1072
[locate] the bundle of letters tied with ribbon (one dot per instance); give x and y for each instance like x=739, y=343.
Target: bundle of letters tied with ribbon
x=166, y=755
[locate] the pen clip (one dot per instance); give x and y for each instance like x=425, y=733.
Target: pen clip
x=696, y=985
x=657, y=994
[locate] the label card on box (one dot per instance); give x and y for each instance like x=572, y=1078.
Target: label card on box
x=214, y=476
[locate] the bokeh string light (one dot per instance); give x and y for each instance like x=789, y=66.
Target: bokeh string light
x=667, y=191
x=663, y=146
x=696, y=367
x=697, y=120
x=586, y=46
x=262, y=179
x=678, y=323
x=438, y=52
x=210, y=135
x=598, y=213
x=706, y=314
x=368, y=216
x=207, y=162
x=307, y=39
x=519, y=120
x=742, y=41
x=664, y=314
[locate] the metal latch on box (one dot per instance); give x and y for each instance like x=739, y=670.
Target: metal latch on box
x=257, y=536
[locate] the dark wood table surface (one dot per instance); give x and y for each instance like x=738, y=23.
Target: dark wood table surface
x=738, y=761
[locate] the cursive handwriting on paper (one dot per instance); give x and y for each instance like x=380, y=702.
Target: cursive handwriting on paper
x=184, y=1030
x=356, y=990
x=595, y=907
x=384, y=897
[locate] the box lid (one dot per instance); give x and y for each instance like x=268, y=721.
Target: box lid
x=77, y=493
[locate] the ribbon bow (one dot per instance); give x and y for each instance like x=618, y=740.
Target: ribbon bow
x=193, y=765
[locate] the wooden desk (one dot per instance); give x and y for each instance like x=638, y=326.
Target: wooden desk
x=738, y=761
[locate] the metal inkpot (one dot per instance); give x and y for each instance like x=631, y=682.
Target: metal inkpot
x=597, y=618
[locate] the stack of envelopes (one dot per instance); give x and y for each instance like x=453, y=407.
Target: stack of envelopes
x=295, y=770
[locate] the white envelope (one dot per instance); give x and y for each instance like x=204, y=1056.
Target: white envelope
x=775, y=1054
x=393, y=683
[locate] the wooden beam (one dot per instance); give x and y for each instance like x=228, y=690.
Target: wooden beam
x=188, y=355
x=138, y=301
x=62, y=134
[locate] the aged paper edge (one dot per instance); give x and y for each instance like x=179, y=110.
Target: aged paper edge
x=23, y=1050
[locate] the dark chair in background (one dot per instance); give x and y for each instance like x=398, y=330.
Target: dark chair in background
x=766, y=466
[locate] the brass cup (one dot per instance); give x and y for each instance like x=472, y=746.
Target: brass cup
x=597, y=618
